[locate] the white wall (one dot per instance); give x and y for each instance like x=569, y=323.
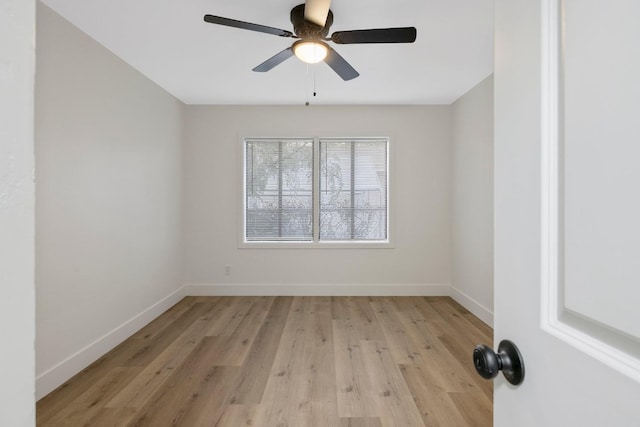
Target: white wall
x=420, y=137
x=17, y=329
x=472, y=200
x=108, y=214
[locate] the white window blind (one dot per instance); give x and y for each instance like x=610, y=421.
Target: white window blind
x=279, y=190
x=353, y=189
x=316, y=190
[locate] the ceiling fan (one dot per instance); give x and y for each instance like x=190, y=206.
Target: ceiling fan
x=311, y=22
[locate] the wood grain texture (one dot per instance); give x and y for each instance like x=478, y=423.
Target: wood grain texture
x=287, y=362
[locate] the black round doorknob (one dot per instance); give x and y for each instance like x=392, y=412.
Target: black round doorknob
x=508, y=360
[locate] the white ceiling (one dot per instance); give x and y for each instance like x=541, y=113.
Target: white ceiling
x=201, y=63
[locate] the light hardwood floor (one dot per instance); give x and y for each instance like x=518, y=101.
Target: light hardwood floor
x=287, y=361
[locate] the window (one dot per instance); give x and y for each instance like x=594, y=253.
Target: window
x=316, y=190
x=353, y=190
x=278, y=190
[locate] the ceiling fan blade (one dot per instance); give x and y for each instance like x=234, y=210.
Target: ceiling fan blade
x=379, y=35
x=246, y=26
x=276, y=59
x=340, y=65
x=316, y=11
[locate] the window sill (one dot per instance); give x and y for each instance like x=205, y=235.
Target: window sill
x=317, y=245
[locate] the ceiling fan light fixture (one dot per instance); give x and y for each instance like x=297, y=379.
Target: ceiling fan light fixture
x=310, y=51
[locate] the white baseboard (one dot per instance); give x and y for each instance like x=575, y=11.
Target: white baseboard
x=478, y=310
x=57, y=375
x=242, y=289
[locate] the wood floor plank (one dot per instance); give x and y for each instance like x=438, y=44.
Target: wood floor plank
x=404, y=348
x=154, y=375
x=111, y=417
x=360, y=422
x=257, y=367
x=86, y=406
x=216, y=397
x=359, y=313
x=303, y=375
x=475, y=407
x=147, y=349
x=397, y=407
x=457, y=316
x=176, y=396
x=352, y=308
x=286, y=362
x=229, y=314
x=319, y=355
x=434, y=403
x=241, y=415
x=167, y=319
x=232, y=350
x=458, y=344
x=341, y=307
x=283, y=394
x=355, y=396
x=440, y=368
x=191, y=387
x=354, y=322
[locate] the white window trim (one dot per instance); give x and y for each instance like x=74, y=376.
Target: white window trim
x=316, y=244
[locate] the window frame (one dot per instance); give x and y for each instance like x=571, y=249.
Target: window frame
x=242, y=243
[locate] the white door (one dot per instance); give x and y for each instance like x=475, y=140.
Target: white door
x=567, y=210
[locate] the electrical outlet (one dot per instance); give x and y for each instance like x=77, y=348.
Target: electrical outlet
x=227, y=270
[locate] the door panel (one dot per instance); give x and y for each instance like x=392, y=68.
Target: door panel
x=554, y=216
x=601, y=197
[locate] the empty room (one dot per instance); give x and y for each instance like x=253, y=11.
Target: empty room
x=329, y=213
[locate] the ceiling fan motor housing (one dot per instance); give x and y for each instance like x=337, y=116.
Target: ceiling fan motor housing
x=308, y=30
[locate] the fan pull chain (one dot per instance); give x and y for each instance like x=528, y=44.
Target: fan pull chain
x=314, y=82
x=306, y=87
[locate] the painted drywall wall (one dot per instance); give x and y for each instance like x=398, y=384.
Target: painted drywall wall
x=472, y=200
x=420, y=191
x=17, y=200
x=108, y=214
